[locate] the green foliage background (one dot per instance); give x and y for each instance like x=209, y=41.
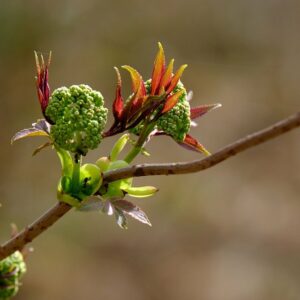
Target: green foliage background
x=231, y=232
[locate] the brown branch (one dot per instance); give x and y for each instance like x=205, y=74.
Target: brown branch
x=36, y=228
x=56, y=212
x=247, y=142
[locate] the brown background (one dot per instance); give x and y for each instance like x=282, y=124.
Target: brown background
x=229, y=233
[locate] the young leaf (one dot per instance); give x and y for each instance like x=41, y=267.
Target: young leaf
x=158, y=69
x=118, y=147
x=92, y=203
x=119, y=102
x=141, y=191
x=42, y=124
x=166, y=79
x=175, y=79
x=191, y=143
x=66, y=161
x=27, y=133
x=131, y=210
x=121, y=218
x=200, y=110
x=171, y=101
x=41, y=147
x=108, y=208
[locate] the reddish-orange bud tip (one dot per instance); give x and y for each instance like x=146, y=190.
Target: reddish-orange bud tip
x=171, y=101
x=158, y=69
x=175, y=79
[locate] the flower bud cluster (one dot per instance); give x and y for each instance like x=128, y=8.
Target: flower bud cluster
x=12, y=269
x=177, y=122
x=79, y=116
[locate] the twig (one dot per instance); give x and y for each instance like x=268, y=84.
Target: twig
x=36, y=228
x=57, y=211
x=242, y=144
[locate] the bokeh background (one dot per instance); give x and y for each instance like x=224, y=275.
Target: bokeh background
x=229, y=233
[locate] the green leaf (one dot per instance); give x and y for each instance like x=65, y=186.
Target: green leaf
x=118, y=147
x=62, y=192
x=140, y=192
x=66, y=161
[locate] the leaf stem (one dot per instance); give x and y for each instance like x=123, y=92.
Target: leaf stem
x=132, y=154
x=76, y=174
x=137, y=148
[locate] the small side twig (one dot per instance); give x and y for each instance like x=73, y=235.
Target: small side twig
x=57, y=211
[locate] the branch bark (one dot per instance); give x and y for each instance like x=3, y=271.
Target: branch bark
x=60, y=209
x=36, y=228
x=236, y=147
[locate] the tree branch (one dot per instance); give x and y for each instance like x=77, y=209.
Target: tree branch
x=240, y=145
x=57, y=211
x=36, y=228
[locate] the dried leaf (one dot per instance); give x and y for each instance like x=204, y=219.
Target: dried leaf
x=42, y=124
x=92, y=203
x=95, y=203
x=108, y=208
x=41, y=147
x=189, y=96
x=121, y=218
x=27, y=133
x=132, y=210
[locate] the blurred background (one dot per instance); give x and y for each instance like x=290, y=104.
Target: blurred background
x=229, y=233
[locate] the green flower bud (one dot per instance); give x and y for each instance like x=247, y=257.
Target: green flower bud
x=90, y=180
x=79, y=116
x=103, y=163
x=12, y=269
x=177, y=121
x=122, y=183
x=116, y=188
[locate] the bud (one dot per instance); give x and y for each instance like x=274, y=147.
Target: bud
x=78, y=116
x=176, y=122
x=12, y=269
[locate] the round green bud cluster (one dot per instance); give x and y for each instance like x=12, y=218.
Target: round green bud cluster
x=177, y=121
x=79, y=116
x=12, y=269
